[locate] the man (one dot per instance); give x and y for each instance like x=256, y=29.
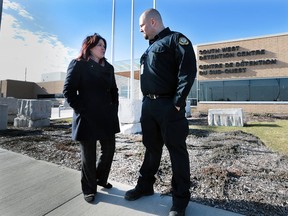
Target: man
x=168, y=69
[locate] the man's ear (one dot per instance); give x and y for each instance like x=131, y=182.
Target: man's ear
x=153, y=22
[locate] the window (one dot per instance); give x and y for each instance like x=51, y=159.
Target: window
x=244, y=90
x=192, y=96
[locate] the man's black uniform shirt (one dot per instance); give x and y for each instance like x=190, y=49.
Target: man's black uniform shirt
x=168, y=67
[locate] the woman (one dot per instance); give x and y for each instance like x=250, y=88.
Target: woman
x=90, y=89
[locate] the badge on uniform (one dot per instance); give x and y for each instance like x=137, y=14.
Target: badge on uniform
x=183, y=41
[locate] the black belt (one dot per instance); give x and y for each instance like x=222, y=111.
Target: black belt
x=155, y=96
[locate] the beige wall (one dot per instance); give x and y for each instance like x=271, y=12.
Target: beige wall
x=273, y=49
x=269, y=49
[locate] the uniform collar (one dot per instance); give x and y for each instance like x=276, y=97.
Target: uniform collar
x=160, y=35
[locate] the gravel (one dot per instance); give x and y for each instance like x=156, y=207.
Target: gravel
x=234, y=171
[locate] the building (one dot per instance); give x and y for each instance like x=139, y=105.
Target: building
x=20, y=89
x=249, y=73
x=55, y=76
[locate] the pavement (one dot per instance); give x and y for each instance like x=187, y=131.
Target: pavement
x=33, y=187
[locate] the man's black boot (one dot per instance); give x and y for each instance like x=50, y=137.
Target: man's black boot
x=136, y=193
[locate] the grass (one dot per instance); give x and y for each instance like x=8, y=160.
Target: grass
x=273, y=134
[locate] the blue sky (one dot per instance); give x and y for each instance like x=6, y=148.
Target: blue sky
x=42, y=36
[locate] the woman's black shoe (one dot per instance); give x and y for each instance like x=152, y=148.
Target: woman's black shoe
x=89, y=197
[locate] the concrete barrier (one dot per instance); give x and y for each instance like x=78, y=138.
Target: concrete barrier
x=33, y=113
x=188, y=109
x=226, y=117
x=129, y=116
x=12, y=107
x=3, y=116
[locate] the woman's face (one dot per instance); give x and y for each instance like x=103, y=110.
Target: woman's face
x=98, y=51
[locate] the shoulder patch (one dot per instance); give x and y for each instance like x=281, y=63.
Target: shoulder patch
x=183, y=41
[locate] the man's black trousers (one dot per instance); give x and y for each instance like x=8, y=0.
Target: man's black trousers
x=163, y=124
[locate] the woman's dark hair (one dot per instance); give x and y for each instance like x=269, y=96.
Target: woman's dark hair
x=88, y=43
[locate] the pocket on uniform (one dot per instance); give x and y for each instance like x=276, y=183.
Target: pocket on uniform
x=176, y=131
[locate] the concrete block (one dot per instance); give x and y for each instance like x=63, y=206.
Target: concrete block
x=35, y=109
x=12, y=107
x=226, y=117
x=3, y=116
x=33, y=113
x=12, y=104
x=23, y=121
x=131, y=128
x=129, y=111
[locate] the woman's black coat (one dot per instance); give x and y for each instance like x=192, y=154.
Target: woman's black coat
x=90, y=89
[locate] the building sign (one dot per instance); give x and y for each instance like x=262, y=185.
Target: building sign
x=229, y=67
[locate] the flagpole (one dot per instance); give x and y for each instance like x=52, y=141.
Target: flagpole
x=1, y=6
x=113, y=32
x=132, y=53
x=154, y=4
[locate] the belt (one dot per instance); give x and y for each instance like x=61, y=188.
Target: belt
x=155, y=96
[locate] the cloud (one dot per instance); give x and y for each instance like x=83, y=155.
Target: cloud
x=23, y=50
x=18, y=8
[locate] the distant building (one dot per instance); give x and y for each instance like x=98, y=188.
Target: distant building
x=55, y=76
x=123, y=74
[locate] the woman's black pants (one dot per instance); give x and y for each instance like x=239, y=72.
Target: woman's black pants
x=96, y=171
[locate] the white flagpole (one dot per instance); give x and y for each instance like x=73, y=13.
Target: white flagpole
x=154, y=4
x=113, y=32
x=1, y=6
x=132, y=53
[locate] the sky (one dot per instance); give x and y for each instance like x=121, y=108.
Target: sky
x=43, y=36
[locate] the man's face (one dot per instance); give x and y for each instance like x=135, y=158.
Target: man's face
x=145, y=27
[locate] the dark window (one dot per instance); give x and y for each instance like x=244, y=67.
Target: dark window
x=192, y=96
x=244, y=90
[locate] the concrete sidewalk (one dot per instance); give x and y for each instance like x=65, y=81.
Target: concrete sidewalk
x=31, y=187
